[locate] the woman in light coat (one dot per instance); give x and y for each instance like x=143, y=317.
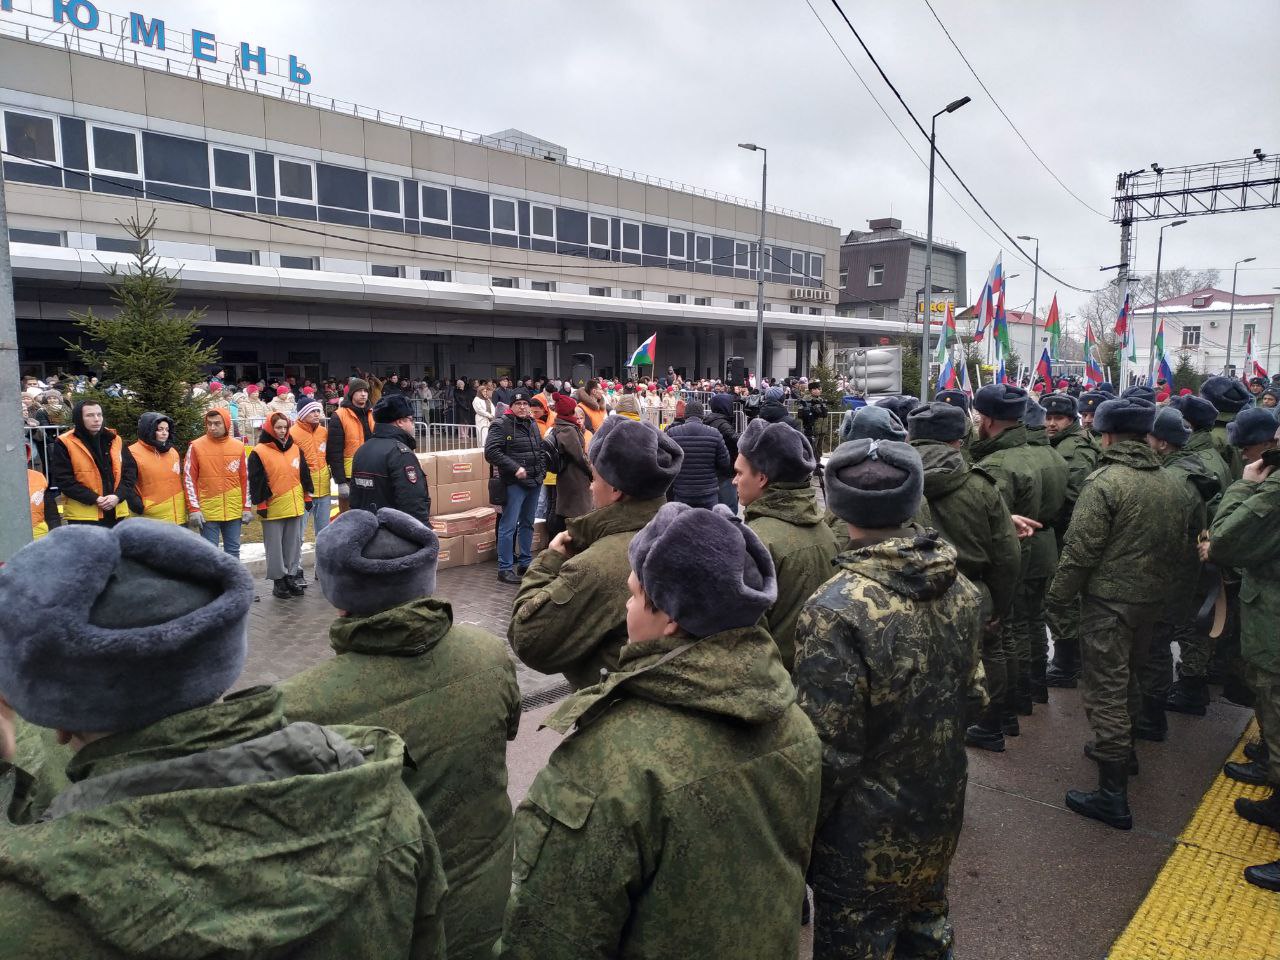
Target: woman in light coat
x=483, y=407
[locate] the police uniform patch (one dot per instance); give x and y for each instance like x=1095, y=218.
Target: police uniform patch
x=411, y=473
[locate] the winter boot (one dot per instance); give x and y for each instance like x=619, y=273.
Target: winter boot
x=1133, y=758
x=1248, y=772
x=292, y=586
x=1064, y=668
x=1257, y=750
x=1188, y=695
x=1039, y=687
x=1265, y=813
x=1110, y=802
x=1266, y=876
x=1237, y=691
x=1152, y=724
x=281, y=589
x=1009, y=723
x=987, y=733
x=1022, y=701
x=299, y=578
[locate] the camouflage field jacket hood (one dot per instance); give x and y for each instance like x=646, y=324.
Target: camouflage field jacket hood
x=944, y=467
x=788, y=502
x=218, y=832
x=408, y=630
x=911, y=562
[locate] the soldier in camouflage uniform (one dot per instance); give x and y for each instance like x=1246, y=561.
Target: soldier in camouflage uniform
x=1229, y=396
x=1246, y=535
x=971, y=516
x=1089, y=402
x=570, y=613
x=194, y=827
x=1190, y=691
x=1028, y=605
x=885, y=656
x=1002, y=452
x=1174, y=623
x=1126, y=525
x=676, y=817
x=447, y=689
x=1077, y=446
x=771, y=475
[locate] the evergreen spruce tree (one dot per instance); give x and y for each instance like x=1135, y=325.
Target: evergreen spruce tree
x=154, y=353
x=1186, y=376
x=910, y=364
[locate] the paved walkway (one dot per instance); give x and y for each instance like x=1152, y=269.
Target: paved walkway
x=1031, y=880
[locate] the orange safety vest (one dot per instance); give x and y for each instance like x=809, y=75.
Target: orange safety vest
x=288, y=499
x=352, y=435
x=216, y=478
x=313, y=443
x=594, y=417
x=159, y=483
x=86, y=473
x=38, y=489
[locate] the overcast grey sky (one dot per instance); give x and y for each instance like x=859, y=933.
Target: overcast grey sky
x=668, y=87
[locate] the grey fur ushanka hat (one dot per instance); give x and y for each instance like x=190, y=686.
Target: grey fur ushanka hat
x=705, y=569
x=107, y=630
x=369, y=562
x=634, y=457
x=778, y=450
x=1170, y=427
x=874, y=484
x=1132, y=416
x=1000, y=401
x=1255, y=425
x=940, y=421
x=872, y=423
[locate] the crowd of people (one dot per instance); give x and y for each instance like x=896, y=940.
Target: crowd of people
x=770, y=691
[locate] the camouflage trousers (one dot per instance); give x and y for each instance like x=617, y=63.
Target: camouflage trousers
x=1197, y=650
x=1266, y=690
x=1064, y=624
x=1157, y=674
x=903, y=925
x=1115, y=642
x=1030, y=641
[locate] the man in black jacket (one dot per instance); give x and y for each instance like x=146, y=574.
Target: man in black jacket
x=722, y=419
x=514, y=446
x=706, y=460
x=385, y=471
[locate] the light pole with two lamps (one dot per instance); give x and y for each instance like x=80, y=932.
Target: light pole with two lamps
x=1155, y=303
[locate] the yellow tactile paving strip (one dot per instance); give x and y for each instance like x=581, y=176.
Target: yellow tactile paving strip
x=1200, y=907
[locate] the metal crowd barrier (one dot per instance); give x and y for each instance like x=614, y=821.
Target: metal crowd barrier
x=40, y=437
x=435, y=437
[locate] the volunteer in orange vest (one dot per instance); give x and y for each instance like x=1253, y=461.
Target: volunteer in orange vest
x=216, y=481
x=311, y=435
x=86, y=464
x=157, y=486
x=590, y=399
x=44, y=502
x=351, y=426
x=280, y=488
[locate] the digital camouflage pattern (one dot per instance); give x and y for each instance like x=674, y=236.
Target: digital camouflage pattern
x=223, y=832
x=786, y=518
x=675, y=820
x=449, y=691
x=1027, y=622
x=570, y=613
x=885, y=655
x=1080, y=450
x=1221, y=443
x=1202, y=445
x=42, y=758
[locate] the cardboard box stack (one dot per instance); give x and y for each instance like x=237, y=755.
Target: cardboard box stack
x=458, y=481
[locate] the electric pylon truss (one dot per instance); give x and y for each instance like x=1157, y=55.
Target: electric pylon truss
x=1161, y=193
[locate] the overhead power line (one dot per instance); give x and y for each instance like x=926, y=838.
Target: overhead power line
x=941, y=156
x=991, y=96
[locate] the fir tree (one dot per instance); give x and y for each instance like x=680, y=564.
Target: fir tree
x=910, y=365
x=826, y=374
x=1186, y=376
x=151, y=351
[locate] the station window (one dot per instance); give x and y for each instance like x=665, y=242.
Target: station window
x=175, y=160
x=677, y=298
x=118, y=245
x=599, y=291
x=844, y=277
x=542, y=221
x=742, y=304
x=630, y=236
x=1191, y=336
x=876, y=311
x=30, y=137
x=875, y=275
x=435, y=203
x=701, y=248
x=232, y=170
x=742, y=254
x=631, y=294
x=796, y=308
x=435, y=276
x=816, y=264
x=385, y=196
x=797, y=263
x=42, y=238
x=502, y=215
x=676, y=245
x=504, y=282
x=113, y=151
x=702, y=301
x=544, y=286
x=299, y=263
x=385, y=270
x=816, y=311
x=248, y=258
x=295, y=180
x=600, y=232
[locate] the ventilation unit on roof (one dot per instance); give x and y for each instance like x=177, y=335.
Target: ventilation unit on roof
x=1199, y=301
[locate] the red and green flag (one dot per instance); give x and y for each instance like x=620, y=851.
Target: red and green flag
x=1053, y=327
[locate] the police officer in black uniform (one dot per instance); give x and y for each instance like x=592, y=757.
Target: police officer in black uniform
x=385, y=472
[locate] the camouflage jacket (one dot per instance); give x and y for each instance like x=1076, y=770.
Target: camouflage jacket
x=786, y=518
x=1202, y=445
x=1218, y=434
x=1198, y=488
x=675, y=820
x=449, y=691
x=1080, y=450
x=1129, y=520
x=884, y=659
x=1054, y=481
x=923, y=519
x=223, y=832
x=45, y=760
x=570, y=614
x=1246, y=535
x=971, y=515
x=1016, y=470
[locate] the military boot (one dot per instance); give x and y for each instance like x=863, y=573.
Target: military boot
x=294, y=587
x=280, y=589
x=1020, y=694
x=1110, y=802
x=1133, y=757
x=1039, y=685
x=1152, y=724
x=987, y=733
x=1237, y=691
x=1266, y=876
x=1257, y=750
x=1265, y=813
x=1188, y=695
x=1250, y=771
x=1064, y=668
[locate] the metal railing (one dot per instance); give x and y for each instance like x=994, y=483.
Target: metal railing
x=40, y=437
x=435, y=437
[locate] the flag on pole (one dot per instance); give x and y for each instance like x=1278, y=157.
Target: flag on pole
x=949, y=336
x=1092, y=368
x=1122, y=321
x=1164, y=371
x=985, y=305
x=947, y=375
x=1052, y=328
x=1000, y=376
x=1044, y=370
x=963, y=380
x=1249, y=362
x=645, y=353
x=1002, y=325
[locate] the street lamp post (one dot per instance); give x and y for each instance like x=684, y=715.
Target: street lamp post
x=1032, y=359
x=1155, y=305
x=764, y=187
x=951, y=107
x=1231, y=317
